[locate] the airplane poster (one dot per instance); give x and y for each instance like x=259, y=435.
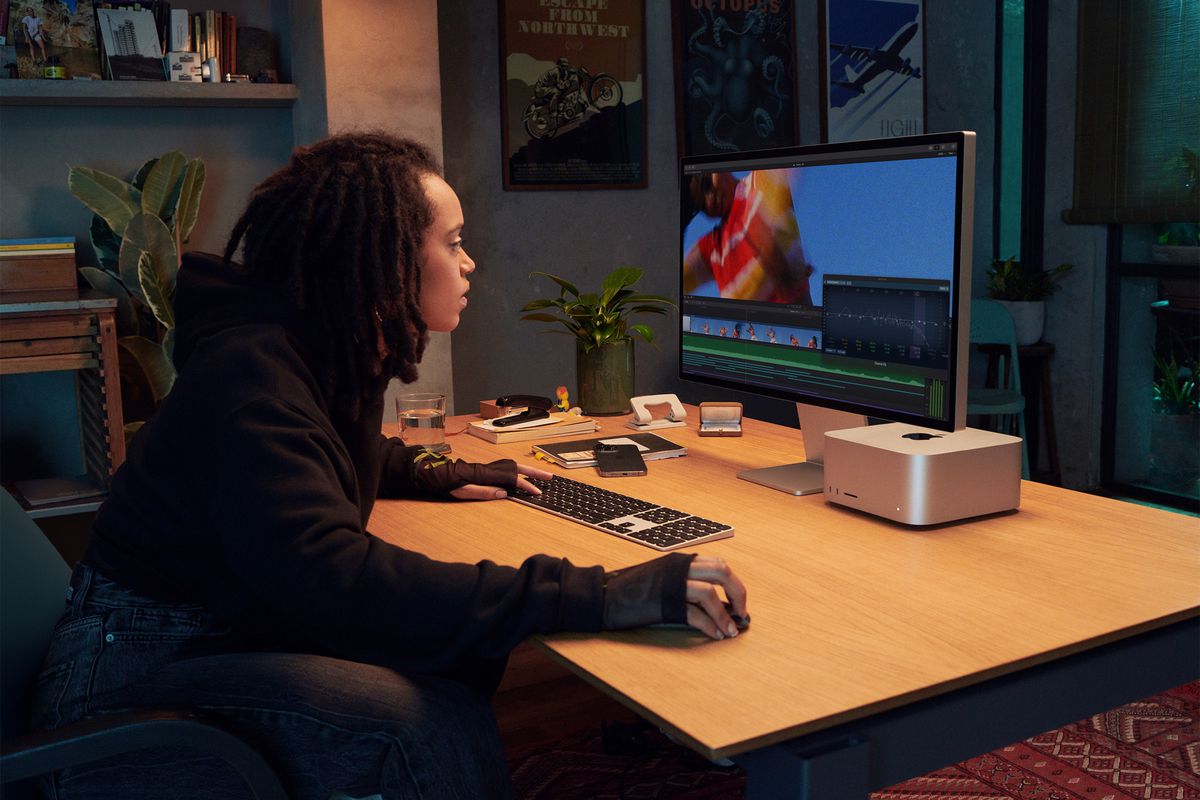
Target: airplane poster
x=874, y=55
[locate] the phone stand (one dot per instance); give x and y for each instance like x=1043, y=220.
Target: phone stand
x=643, y=419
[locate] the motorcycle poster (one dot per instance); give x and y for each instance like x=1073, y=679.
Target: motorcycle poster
x=573, y=113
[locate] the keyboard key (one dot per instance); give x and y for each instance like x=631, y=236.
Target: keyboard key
x=617, y=514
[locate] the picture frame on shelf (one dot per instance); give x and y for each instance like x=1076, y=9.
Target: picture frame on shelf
x=51, y=33
x=130, y=42
x=573, y=106
x=755, y=108
x=873, y=57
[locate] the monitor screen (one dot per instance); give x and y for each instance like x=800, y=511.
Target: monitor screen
x=835, y=275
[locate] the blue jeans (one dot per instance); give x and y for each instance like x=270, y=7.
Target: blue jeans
x=326, y=724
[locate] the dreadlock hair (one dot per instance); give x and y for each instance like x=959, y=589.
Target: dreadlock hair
x=339, y=230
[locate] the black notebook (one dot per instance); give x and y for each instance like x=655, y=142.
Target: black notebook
x=578, y=452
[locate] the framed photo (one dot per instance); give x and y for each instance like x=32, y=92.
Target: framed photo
x=50, y=33
x=736, y=75
x=874, y=57
x=573, y=108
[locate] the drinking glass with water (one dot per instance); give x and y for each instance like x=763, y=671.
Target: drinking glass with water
x=422, y=420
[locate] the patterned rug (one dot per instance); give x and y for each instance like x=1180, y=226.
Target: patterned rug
x=1148, y=750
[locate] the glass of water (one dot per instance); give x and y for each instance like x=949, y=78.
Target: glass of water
x=422, y=420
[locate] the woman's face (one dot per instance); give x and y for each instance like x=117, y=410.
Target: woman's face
x=445, y=265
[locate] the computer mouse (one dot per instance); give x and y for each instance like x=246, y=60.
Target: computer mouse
x=741, y=622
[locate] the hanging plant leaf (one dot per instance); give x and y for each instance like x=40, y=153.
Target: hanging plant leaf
x=139, y=177
x=570, y=287
x=189, y=199
x=152, y=290
x=149, y=234
x=106, y=243
x=160, y=194
x=157, y=368
x=110, y=197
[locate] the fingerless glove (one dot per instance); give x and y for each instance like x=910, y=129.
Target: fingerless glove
x=646, y=594
x=436, y=474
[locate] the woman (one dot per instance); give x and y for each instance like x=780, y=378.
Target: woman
x=230, y=568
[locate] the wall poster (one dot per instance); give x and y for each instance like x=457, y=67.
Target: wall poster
x=573, y=112
x=874, y=56
x=735, y=85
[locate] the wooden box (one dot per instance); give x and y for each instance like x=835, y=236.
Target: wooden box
x=37, y=273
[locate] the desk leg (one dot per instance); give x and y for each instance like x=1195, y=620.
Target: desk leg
x=835, y=769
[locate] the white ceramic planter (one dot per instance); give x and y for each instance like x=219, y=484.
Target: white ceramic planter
x=1029, y=319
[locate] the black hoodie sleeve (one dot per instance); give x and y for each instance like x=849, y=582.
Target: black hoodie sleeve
x=290, y=533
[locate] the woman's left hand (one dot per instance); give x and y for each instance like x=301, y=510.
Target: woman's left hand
x=474, y=491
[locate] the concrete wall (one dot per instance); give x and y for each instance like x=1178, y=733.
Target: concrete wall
x=381, y=73
x=1075, y=317
x=584, y=234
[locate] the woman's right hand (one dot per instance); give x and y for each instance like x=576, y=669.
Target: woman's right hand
x=706, y=612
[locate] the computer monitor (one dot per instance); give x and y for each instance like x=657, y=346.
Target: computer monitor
x=834, y=275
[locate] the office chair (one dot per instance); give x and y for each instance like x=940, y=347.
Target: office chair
x=33, y=580
x=992, y=324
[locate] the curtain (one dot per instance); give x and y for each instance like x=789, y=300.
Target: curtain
x=1137, y=112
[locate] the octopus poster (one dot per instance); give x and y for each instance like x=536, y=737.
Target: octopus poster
x=874, y=83
x=736, y=75
x=573, y=111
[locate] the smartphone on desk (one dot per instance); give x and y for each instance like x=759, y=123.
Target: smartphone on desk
x=619, y=460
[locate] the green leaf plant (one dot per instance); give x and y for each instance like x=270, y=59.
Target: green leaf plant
x=1011, y=280
x=137, y=231
x=1175, y=388
x=598, y=318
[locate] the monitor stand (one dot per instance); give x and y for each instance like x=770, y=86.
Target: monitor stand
x=808, y=476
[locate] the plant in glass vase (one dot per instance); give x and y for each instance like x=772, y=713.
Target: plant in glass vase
x=1023, y=289
x=599, y=321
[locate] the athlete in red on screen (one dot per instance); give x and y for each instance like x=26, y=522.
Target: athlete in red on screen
x=754, y=251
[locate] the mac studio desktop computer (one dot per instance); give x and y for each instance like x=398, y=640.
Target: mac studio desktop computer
x=838, y=276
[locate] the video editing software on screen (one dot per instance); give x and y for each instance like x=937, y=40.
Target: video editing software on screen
x=829, y=277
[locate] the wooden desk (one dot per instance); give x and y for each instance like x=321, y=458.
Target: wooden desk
x=877, y=652
x=73, y=333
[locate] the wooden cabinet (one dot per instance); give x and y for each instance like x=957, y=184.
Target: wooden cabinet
x=40, y=335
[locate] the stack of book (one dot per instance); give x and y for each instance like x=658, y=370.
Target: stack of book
x=581, y=453
x=557, y=424
x=214, y=35
x=42, y=266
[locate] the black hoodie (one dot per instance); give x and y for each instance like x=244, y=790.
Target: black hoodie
x=245, y=494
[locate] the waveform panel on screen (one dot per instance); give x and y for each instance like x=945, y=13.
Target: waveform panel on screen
x=904, y=321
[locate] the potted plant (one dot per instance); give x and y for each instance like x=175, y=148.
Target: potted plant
x=1178, y=242
x=1174, y=424
x=1023, y=289
x=137, y=231
x=599, y=321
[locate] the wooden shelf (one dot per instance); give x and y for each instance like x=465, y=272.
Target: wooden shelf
x=145, y=93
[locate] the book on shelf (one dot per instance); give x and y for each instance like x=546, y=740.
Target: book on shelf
x=559, y=423
x=37, y=247
x=41, y=492
x=579, y=453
